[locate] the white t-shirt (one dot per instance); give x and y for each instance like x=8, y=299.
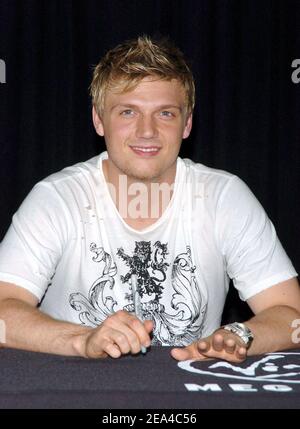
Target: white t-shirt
x=69, y=246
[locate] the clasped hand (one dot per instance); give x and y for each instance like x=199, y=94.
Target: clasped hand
x=119, y=334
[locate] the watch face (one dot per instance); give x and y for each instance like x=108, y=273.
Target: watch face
x=241, y=330
x=247, y=332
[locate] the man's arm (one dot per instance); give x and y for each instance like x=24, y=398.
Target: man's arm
x=28, y=328
x=275, y=310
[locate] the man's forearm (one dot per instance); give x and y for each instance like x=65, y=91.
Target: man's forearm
x=27, y=328
x=272, y=330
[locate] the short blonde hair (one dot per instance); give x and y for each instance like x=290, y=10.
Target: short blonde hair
x=123, y=67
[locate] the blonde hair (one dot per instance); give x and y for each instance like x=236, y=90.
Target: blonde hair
x=123, y=67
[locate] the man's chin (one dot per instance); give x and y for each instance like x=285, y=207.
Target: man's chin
x=142, y=175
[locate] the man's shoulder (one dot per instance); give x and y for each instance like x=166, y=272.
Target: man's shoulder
x=204, y=174
x=63, y=186
x=73, y=172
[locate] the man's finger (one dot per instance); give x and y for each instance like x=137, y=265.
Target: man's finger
x=241, y=353
x=148, y=325
x=112, y=350
x=229, y=345
x=99, y=350
x=203, y=346
x=126, y=341
x=218, y=342
x=140, y=331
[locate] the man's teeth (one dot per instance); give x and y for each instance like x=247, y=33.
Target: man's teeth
x=145, y=149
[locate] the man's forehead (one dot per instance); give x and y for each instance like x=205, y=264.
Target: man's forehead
x=151, y=91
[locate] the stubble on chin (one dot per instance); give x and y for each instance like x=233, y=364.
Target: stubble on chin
x=138, y=175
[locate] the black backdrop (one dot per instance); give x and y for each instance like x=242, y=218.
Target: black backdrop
x=247, y=115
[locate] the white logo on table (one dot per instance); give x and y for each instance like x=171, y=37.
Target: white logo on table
x=273, y=367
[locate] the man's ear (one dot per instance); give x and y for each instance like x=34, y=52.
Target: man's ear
x=188, y=126
x=97, y=123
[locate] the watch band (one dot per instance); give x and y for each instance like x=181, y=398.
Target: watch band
x=241, y=330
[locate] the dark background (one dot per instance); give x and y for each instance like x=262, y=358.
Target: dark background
x=248, y=109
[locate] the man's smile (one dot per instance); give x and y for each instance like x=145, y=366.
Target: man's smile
x=145, y=151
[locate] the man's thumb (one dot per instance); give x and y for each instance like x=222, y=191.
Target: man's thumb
x=148, y=325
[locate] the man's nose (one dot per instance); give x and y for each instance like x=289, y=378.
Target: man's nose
x=146, y=127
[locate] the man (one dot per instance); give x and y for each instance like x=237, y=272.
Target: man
x=138, y=217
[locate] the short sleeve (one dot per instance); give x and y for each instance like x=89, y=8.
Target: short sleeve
x=254, y=256
x=34, y=242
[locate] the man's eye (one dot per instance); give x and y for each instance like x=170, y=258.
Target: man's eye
x=167, y=114
x=127, y=112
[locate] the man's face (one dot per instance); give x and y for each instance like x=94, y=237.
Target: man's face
x=143, y=129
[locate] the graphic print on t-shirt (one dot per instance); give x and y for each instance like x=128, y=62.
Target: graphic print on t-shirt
x=170, y=294
x=143, y=263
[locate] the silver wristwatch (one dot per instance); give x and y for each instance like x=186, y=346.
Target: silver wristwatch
x=242, y=331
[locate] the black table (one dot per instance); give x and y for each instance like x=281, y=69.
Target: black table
x=152, y=381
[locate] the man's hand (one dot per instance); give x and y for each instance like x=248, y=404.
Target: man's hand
x=119, y=334
x=221, y=344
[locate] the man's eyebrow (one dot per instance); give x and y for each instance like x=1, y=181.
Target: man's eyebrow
x=170, y=106
x=122, y=105
x=134, y=106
